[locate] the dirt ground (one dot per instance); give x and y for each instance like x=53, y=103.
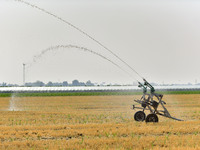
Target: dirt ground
x=96, y=122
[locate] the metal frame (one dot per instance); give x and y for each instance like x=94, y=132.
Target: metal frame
x=148, y=102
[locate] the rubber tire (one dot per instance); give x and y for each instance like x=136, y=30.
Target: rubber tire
x=152, y=118
x=139, y=116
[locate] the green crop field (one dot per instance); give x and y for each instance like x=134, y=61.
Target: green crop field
x=91, y=93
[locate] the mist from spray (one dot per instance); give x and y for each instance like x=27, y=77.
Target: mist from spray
x=14, y=101
x=81, y=31
x=75, y=47
x=55, y=48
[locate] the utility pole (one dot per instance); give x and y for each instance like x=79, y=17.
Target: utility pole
x=24, y=65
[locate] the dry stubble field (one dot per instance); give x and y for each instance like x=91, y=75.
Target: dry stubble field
x=96, y=122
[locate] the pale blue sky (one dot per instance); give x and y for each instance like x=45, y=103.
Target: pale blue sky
x=160, y=39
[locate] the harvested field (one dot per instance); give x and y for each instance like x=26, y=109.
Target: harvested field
x=96, y=122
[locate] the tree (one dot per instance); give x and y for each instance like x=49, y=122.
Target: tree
x=38, y=83
x=49, y=83
x=65, y=83
x=75, y=83
x=89, y=83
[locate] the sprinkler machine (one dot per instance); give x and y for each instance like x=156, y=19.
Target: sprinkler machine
x=150, y=102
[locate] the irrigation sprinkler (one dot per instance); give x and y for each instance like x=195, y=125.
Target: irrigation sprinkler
x=147, y=101
x=151, y=101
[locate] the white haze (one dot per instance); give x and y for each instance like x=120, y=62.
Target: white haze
x=160, y=39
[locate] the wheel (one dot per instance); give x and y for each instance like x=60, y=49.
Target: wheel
x=152, y=118
x=139, y=116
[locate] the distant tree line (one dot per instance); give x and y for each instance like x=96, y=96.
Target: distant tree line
x=56, y=84
x=50, y=84
x=78, y=83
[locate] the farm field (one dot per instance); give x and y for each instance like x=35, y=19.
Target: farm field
x=96, y=122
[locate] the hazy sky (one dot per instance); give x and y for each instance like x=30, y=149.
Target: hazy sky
x=158, y=38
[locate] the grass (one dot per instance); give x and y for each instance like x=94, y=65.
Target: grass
x=46, y=94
